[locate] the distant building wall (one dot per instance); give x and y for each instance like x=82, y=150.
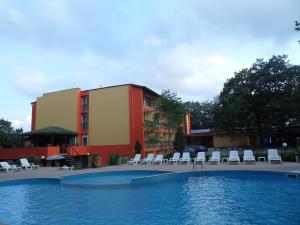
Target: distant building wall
x=228, y=141
x=58, y=109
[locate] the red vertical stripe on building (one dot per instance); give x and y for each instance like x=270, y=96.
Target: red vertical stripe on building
x=33, y=116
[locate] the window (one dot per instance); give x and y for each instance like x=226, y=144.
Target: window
x=84, y=121
x=85, y=140
x=85, y=103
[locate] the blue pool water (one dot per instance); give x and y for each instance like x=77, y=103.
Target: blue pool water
x=190, y=198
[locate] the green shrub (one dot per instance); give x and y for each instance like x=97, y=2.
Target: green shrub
x=138, y=147
x=33, y=159
x=114, y=159
x=168, y=155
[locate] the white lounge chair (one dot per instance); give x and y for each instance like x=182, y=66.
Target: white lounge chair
x=175, y=158
x=200, y=157
x=186, y=157
x=7, y=167
x=215, y=157
x=273, y=156
x=65, y=167
x=25, y=164
x=158, y=159
x=248, y=156
x=149, y=159
x=135, y=160
x=234, y=157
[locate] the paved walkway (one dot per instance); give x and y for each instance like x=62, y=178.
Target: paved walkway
x=54, y=172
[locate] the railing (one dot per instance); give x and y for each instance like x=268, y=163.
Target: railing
x=158, y=126
x=162, y=144
x=150, y=103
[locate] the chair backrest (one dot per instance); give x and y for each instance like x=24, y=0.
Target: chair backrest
x=273, y=154
x=233, y=154
x=24, y=162
x=176, y=155
x=150, y=156
x=137, y=157
x=248, y=153
x=201, y=155
x=5, y=165
x=159, y=157
x=215, y=155
x=186, y=155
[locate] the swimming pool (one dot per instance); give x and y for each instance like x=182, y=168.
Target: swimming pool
x=187, y=198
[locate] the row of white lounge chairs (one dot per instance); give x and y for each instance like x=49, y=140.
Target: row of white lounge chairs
x=248, y=157
x=24, y=165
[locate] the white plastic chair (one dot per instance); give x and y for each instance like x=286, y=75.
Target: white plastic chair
x=158, y=159
x=135, y=160
x=248, y=156
x=175, y=158
x=200, y=157
x=186, y=157
x=234, y=157
x=273, y=156
x=149, y=158
x=215, y=157
x=25, y=164
x=7, y=167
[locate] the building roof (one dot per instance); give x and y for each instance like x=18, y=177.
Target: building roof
x=51, y=131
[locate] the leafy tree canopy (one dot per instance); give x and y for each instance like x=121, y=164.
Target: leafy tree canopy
x=260, y=98
x=9, y=137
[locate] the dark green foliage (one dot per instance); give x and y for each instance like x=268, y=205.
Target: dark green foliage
x=33, y=159
x=201, y=114
x=179, y=142
x=138, y=147
x=261, y=98
x=114, y=159
x=9, y=137
x=170, y=111
x=151, y=132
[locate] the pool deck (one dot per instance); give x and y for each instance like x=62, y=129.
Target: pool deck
x=54, y=172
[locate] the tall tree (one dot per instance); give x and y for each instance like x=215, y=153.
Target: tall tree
x=201, y=114
x=179, y=141
x=170, y=112
x=260, y=98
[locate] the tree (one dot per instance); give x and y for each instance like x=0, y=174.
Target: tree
x=260, y=99
x=170, y=112
x=9, y=137
x=201, y=114
x=179, y=141
x=152, y=136
x=137, y=147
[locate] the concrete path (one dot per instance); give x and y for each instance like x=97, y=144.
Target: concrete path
x=54, y=172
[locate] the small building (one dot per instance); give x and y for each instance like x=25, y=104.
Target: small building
x=218, y=139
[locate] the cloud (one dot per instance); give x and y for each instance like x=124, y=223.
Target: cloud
x=24, y=123
x=31, y=84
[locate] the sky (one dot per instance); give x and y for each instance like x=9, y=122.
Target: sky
x=188, y=46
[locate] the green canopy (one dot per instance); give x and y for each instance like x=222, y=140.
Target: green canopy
x=51, y=131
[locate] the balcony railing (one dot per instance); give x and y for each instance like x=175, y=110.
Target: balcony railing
x=158, y=126
x=150, y=103
x=162, y=144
